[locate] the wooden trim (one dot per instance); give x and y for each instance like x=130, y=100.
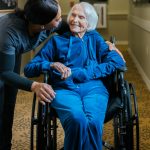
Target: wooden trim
x=7, y=11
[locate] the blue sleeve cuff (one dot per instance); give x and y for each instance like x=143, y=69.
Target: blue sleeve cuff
x=46, y=66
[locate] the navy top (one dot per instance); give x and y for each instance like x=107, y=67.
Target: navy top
x=89, y=59
x=14, y=41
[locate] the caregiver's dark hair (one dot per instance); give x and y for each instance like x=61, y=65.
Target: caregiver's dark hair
x=40, y=11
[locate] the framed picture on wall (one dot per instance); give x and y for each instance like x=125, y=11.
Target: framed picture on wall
x=7, y=5
x=101, y=9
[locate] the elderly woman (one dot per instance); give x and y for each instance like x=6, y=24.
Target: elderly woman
x=77, y=62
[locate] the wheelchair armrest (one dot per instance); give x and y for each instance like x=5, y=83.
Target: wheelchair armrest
x=113, y=106
x=120, y=74
x=116, y=83
x=113, y=39
x=123, y=69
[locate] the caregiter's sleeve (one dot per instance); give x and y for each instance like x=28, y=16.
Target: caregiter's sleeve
x=41, y=62
x=8, y=61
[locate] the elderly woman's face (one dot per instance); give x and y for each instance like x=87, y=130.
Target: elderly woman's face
x=77, y=20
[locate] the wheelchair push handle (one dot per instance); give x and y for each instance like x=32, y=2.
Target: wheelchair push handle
x=113, y=39
x=46, y=76
x=122, y=69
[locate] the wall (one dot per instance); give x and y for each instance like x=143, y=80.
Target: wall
x=21, y=3
x=117, y=20
x=139, y=38
x=65, y=6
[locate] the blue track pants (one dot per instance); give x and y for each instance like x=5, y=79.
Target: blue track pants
x=82, y=112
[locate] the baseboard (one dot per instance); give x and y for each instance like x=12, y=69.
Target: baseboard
x=141, y=71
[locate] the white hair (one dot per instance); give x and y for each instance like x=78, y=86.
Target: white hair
x=90, y=13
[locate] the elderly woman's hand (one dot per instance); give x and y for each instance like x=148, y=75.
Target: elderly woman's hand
x=113, y=47
x=64, y=71
x=44, y=92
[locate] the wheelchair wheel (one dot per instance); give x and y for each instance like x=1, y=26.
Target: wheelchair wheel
x=34, y=122
x=43, y=128
x=134, y=120
x=40, y=133
x=126, y=123
x=116, y=132
x=46, y=129
x=129, y=139
x=131, y=119
x=37, y=127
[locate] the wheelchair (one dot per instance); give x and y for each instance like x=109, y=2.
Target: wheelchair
x=122, y=109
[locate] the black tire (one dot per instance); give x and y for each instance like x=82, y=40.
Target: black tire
x=116, y=132
x=33, y=123
x=40, y=133
x=46, y=137
x=135, y=117
x=131, y=119
x=129, y=139
x=45, y=125
x=123, y=125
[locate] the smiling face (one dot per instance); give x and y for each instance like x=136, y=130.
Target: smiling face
x=77, y=21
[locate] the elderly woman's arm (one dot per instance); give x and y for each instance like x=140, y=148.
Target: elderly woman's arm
x=105, y=64
x=44, y=61
x=110, y=63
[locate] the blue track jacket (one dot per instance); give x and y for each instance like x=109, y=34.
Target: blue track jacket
x=89, y=59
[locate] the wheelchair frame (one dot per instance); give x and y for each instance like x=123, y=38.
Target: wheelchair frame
x=123, y=109
x=125, y=117
x=124, y=114
x=46, y=125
